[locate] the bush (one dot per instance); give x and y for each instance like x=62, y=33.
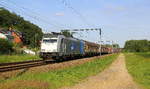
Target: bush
x=5, y=46
x=137, y=46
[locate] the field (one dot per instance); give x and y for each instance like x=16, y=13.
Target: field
x=58, y=78
x=17, y=58
x=138, y=65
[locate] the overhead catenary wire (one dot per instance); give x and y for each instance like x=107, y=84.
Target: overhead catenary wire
x=76, y=12
x=35, y=17
x=38, y=14
x=28, y=15
x=23, y=9
x=81, y=17
x=27, y=11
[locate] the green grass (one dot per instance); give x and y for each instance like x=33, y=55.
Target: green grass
x=16, y=58
x=68, y=76
x=138, y=65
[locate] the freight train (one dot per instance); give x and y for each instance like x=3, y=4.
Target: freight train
x=58, y=46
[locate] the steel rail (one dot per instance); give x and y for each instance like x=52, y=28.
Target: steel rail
x=4, y=67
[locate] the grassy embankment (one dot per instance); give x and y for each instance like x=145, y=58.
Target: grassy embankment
x=17, y=58
x=62, y=77
x=138, y=65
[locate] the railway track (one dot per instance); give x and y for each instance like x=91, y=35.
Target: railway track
x=4, y=67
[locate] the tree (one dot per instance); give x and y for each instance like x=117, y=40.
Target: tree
x=116, y=46
x=67, y=33
x=137, y=46
x=28, y=29
x=5, y=46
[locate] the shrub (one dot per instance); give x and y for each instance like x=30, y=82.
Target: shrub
x=137, y=46
x=5, y=46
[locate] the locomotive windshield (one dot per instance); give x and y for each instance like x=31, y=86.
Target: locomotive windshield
x=49, y=40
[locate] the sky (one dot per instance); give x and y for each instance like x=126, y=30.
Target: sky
x=120, y=20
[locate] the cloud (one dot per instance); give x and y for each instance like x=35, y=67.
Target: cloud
x=59, y=14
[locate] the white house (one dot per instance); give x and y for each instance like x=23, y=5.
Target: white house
x=3, y=36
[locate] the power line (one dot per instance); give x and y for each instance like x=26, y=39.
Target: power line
x=34, y=12
x=76, y=12
x=31, y=16
x=81, y=30
x=36, y=17
x=23, y=9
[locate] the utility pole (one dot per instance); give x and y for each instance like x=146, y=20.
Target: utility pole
x=100, y=49
x=112, y=46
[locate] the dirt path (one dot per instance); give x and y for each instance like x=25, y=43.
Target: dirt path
x=115, y=77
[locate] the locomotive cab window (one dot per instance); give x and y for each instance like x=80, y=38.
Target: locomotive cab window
x=50, y=40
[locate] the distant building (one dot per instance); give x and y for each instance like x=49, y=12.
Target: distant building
x=12, y=35
x=3, y=36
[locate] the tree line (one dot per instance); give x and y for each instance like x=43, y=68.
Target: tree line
x=137, y=46
x=32, y=34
